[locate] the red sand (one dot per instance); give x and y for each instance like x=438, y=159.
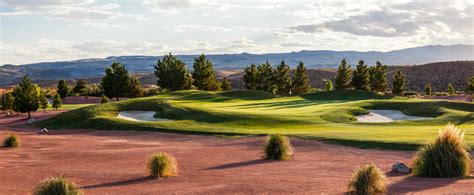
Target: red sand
x=113, y=162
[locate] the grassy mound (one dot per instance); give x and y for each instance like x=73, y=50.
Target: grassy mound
x=278, y=147
x=368, y=180
x=446, y=157
x=11, y=141
x=344, y=95
x=57, y=186
x=162, y=165
x=248, y=94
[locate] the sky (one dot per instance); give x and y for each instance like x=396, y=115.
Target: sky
x=55, y=30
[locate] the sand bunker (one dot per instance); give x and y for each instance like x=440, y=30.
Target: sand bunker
x=385, y=116
x=141, y=116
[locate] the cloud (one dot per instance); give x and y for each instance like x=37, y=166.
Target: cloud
x=173, y=7
x=204, y=28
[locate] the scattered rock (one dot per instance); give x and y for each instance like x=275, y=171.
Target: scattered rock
x=43, y=131
x=399, y=167
x=31, y=121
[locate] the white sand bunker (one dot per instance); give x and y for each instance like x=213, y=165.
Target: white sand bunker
x=140, y=116
x=385, y=116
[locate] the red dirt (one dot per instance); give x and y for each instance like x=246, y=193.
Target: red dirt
x=113, y=162
x=463, y=98
x=84, y=100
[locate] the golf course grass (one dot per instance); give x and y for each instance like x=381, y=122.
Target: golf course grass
x=327, y=116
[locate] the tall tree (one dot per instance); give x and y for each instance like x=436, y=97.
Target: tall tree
x=57, y=102
x=203, y=74
x=3, y=101
x=265, y=77
x=116, y=81
x=225, y=85
x=343, y=76
x=360, y=76
x=428, y=90
x=328, y=86
x=251, y=77
x=378, y=77
x=172, y=73
x=282, y=78
x=80, y=87
x=43, y=101
x=135, y=88
x=398, y=85
x=300, y=80
x=63, y=89
x=470, y=85
x=450, y=89
x=8, y=102
x=26, y=96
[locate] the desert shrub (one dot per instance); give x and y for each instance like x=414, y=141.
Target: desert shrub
x=278, y=147
x=411, y=93
x=368, y=180
x=162, y=165
x=57, y=186
x=104, y=99
x=446, y=157
x=11, y=141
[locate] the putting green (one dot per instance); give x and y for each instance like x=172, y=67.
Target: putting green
x=325, y=116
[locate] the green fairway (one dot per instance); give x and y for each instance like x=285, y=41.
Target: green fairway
x=324, y=116
x=68, y=106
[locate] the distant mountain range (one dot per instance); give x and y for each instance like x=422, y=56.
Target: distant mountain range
x=88, y=68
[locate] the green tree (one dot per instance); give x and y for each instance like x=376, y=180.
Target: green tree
x=63, y=89
x=343, y=76
x=188, y=83
x=265, y=77
x=451, y=89
x=204, y=75
x=378, y=77
x=104, y=99
x=328, y=86
x=116, y=81
x=398, y=84
x=26, y=96
x=8, y=102
x=428, y=90
x=2, y=101
x=251, y=77
x=43, y=101
x=172, y=73
x=360, y=76
x=80, y=87
x=57, y=102
x=225, y=85
x=300, y=80
x=470, y=85
x=135, y=89
x=282, y=78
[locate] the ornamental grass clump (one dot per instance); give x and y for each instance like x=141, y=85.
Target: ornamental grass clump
x=368, y=180
x=448, y=156
x=278, y=147
x=57, y=186
x=162, y=165
x=11, y=141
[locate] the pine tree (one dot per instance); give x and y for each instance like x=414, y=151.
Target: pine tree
x=104, y=99
x=300, y=80
x=204, y=75
x=57, y=102
x=3, y=101
x=265, y=77
x=328, y=86
x=282, y=78
x=116, y=81
x=360, y=77
x=8, y=103
x=343, y=77
x=43, y=101
x=80, y=87
x=135, y=89
x=172, y=73
x=225, y=85
x=451, y=89
x=378, y=78
x=63, y=89
x=188, y=83
x=398, y=85
x=251, y=77
x=26, y=96
x=470, y=85
x=428, y=89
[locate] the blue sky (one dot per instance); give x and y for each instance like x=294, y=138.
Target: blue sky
x=52, y=30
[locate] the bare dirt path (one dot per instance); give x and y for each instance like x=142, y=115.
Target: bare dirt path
x=113, y=162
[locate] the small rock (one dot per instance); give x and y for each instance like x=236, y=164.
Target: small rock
x=31, y=121
x=43, y=131
x=399, y=167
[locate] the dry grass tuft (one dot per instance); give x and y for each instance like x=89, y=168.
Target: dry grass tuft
x=368, y=180
x=57, y=186
x=278, y=147
x=162, y=165
x=11, y=141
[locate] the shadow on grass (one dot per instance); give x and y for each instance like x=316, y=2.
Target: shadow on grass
x=365, y=144
x=240, y=164
x=119, y=183
x=412, y=184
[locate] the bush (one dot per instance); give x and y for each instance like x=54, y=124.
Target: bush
x=11, y=141
x=278, y=147
x=368, y=180
x=446, y=157
x=57, y=185
x=162, y=165
x=104, y=99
